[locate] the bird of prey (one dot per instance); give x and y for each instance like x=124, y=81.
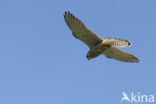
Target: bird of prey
x=107, y=46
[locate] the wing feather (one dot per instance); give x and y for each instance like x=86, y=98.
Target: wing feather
x=118, y=54
x=80, y=31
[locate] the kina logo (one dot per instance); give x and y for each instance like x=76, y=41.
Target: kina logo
x=137, y=98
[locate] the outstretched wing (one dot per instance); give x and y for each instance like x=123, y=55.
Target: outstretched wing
x=115, y=42
x=117, y=54
x=80, y=31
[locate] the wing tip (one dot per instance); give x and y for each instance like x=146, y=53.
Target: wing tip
x=68, y=14
x=135, y=60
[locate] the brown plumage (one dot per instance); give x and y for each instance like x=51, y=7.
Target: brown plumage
x=98, y=46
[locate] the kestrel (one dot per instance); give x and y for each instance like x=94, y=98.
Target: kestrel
x=107, y=46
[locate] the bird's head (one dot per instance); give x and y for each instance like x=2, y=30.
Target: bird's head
x=90, y=55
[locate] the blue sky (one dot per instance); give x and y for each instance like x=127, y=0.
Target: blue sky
x=42, y=63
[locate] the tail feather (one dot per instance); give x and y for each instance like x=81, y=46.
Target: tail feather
x=115, y=42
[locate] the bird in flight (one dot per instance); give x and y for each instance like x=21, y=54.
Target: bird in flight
x=107, y=46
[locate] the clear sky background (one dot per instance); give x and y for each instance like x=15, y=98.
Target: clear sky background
x=42, y=63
